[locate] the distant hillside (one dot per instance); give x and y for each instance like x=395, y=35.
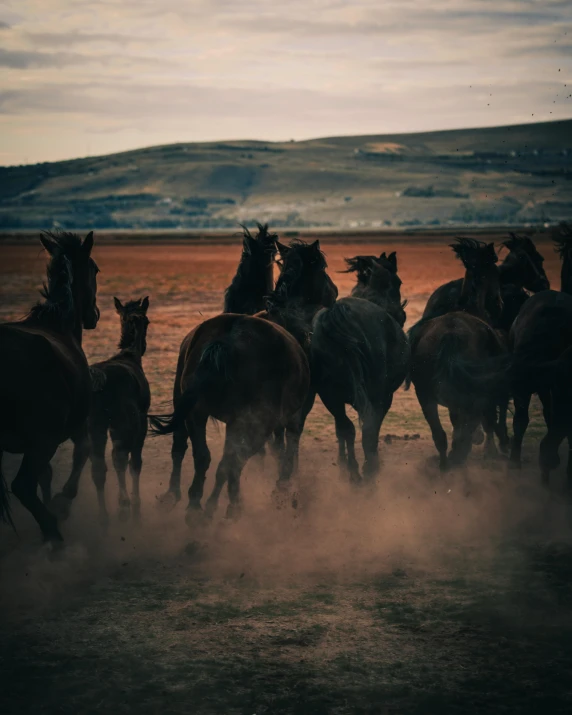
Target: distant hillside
x=518, y=174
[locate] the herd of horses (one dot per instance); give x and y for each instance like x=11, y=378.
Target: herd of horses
x=497, y=333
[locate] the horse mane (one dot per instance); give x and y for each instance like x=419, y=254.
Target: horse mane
x=58, y=305
x=300, y=256
x=517, y=242
x=475, y=255
x=246, y=291
x=562, y=238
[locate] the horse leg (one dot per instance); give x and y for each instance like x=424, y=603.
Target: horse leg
x=548, y=454
x=371, y=426
x=197, y=429
x=243, y=439
x=489, y=423
x=431, y=413
x=464, y=426
x=120, y=458
x=346, y=436
x=500, y=425
x=178, y=451
x=45, y=482
x=25, y=489
x=135, y=466
x=519, y=425
x=99, y=467
x=61, y=503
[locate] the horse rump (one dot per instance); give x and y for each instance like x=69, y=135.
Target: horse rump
x=213, y=373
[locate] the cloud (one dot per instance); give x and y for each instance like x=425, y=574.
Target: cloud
x=25, y=59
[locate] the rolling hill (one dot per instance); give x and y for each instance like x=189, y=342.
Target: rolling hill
x=510, y=175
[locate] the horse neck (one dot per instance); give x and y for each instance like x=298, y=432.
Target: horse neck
x=132, y=342
x=474, y=294
x=510, y=271
x=566, y=274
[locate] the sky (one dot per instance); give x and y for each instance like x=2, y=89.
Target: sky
x=90, y=77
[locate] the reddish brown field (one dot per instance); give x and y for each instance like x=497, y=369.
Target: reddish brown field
x=412, y=597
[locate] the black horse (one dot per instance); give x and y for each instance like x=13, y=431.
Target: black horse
x=45, y=384
x=540, y=339
x=120, y=404
x=458, y=360
x=254, y=276
x=360, y=356
x=522, y=270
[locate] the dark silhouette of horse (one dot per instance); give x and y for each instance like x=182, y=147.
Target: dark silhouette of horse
x=120, y=404
x=540, y=339
x=360, y=356
x=45, y=384
x=522, y=270
x=254, y=276
x=458, y=360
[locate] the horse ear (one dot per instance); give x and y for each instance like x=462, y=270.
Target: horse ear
x=118, y=305
x=48, y=243
x=283, y=250
x=392, y=258
x=382, y=256
x=145, y=304
x=315, y=245
x=87, y=244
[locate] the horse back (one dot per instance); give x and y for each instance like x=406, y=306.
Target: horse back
x=261, y=365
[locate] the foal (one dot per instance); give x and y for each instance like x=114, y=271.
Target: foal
x=457, y=360
x=120, y=403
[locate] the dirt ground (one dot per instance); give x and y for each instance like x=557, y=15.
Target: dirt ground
x=420, y=595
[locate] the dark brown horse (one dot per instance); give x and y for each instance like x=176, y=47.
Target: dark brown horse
x=45, y=384
x=540, y=340
x=121, y=400
x=458, y=360
x=251, y=374
x=254, y=276
x=360, y=356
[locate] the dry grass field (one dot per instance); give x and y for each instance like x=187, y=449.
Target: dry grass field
x=410, y=597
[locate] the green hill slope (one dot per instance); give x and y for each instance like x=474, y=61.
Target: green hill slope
x=516, y=174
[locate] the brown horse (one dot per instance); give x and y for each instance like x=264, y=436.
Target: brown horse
x=45, y=384
x=121, y=400
x=458, y=360
x=250, y=374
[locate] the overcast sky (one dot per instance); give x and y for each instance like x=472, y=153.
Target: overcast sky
x=82, y=77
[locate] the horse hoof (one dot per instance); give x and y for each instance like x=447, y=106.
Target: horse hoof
x=60, y=507
x=478, y=436
x=280, y=496
x=169, y=500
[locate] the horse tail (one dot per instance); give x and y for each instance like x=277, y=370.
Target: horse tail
x=337, y=332
x=212, y=374
x=465, y=376
x=5, y=511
